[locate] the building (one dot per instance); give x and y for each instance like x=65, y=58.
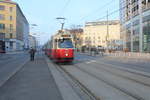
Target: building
x=32, y=42
x=77, y=36
x=14, y=27
x=135, y=25
x=102, y=34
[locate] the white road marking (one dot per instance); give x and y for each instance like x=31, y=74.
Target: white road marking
x=92, y=61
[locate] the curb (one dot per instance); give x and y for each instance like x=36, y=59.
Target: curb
x=64, y=87
x=13, y=73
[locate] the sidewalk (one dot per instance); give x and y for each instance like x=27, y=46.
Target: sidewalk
x=33, y=82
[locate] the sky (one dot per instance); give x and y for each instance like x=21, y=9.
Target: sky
x=43, y=13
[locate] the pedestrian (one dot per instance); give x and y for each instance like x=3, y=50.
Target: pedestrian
x=32, y=54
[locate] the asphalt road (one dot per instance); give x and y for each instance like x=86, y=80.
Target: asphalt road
x=9, y=64
x=139, y=65
x=109, y=79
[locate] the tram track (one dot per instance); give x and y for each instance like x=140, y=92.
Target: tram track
x=123, y=76
x=118, y=67
x=126, y=92
x=83, y=88
x=137, y=66
x=124, y=69
x=129, y=63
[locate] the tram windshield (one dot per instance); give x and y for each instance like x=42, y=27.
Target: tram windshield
x=65, y=43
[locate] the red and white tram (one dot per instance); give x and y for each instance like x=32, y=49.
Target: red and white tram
x=60, y=48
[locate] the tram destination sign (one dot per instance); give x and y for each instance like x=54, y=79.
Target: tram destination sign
x=66, y=35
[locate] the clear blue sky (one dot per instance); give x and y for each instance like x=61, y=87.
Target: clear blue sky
x=77, y=12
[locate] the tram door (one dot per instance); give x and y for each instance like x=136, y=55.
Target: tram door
x=2, y=47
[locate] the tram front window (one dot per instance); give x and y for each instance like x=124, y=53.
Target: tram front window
x=65, y=44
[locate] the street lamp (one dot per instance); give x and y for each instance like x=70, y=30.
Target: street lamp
x=32, y=26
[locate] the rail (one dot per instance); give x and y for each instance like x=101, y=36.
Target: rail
x=84, y=89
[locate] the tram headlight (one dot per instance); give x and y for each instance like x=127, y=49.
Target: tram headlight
x=67, y=55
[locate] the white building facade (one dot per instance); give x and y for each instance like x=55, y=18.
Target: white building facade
x=102, y=34
x=135, y=25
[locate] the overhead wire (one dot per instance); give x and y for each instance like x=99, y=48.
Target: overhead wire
x=61, y=14
x=108, y=3
x=113, y=12
x=65, y=6
x=102, y=7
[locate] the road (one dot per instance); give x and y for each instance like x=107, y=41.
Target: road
x=137, y=64
x=9, y=64
x=111, y=78
x=103, y=77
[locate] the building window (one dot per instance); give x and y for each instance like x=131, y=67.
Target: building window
x=2, y=17
x=144, y=2
x=11, y=27
x=2, y=26
x=11, y=9
x=2, y=7
x=2, y=35
x=11, y=35
x=11, y=44
x=10, y=18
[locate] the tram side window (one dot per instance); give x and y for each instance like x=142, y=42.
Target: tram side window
x=67, y=43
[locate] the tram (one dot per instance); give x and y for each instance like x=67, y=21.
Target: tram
x=60, y=48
